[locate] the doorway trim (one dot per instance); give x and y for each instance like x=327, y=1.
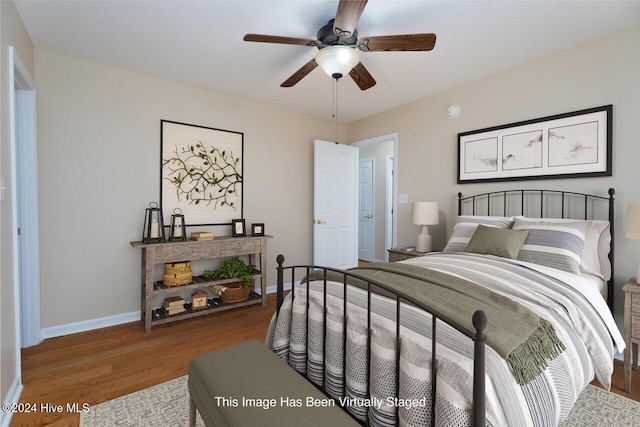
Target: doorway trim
x=394, y=225
x=390, y=210
x=24, y=190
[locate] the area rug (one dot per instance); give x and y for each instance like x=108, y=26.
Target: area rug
x=167, y=404
x=598, y=407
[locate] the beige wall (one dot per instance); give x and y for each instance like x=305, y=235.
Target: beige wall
x=600, y=73
x=12, y=33
x=98, y=150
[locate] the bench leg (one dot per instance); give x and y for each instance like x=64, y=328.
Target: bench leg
x=192, y=412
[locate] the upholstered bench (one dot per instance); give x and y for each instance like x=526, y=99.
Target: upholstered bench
x=247, y=385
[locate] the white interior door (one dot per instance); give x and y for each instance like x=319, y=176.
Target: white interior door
x=335, y=229
x=366, y=223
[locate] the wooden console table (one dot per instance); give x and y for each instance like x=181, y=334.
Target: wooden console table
x=160, y=253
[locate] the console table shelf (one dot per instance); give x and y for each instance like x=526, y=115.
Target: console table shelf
x=160, y=253
x=214, y=305
x=197, y=283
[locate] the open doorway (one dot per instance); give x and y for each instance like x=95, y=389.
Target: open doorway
x=376, y=196
x=24, y=190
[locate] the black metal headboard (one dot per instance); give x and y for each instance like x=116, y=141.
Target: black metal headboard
x=570, y=205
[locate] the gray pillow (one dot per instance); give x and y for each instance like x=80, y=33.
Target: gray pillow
x=505, y=243
x=553, y=244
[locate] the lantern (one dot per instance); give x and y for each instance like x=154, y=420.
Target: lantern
x=177, y=230
x=153, y=231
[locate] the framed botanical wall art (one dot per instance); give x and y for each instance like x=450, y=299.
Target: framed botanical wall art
x=201, y=173
x=576, y=144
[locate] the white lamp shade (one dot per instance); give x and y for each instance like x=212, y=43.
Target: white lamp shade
x=337, y=60
x=633, y=220
x=424, y=213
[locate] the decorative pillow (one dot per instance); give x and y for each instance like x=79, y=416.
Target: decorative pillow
x=595, y=255
x=552, y=243
x=505, y=243
x=466, y=225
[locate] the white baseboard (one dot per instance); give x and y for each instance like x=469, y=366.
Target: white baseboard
x=104, y=322
x=274, y=288
x=89, y=325
x=13, y=396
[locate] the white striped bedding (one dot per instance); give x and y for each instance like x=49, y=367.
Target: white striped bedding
x=583, y=323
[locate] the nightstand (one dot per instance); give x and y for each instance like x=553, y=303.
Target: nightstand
x=400, y=253
x=631, y=329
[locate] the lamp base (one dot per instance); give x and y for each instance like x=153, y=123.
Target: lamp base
x=424, y=241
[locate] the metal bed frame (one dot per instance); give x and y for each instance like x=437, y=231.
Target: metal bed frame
x=492, y=198
x=479, y=319
x=479, y=322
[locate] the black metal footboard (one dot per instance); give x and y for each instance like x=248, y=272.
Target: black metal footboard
x=479, y=322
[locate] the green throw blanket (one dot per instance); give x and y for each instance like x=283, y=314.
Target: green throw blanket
x=521, y=337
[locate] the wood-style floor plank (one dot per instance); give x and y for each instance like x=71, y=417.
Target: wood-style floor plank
x=96, y=366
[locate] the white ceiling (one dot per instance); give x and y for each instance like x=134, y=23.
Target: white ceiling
x=199, y=43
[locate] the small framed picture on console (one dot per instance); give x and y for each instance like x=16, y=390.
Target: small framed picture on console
x=238, y=228
x=257, y=229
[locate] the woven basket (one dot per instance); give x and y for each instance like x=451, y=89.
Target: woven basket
x=235, y=292
x=177, y=279
x=177, y=267
x=177, y=273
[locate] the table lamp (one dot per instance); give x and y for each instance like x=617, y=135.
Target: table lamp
x=633, y=227
x=425, y=214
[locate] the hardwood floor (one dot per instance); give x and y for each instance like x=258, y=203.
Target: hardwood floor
x=96, y=366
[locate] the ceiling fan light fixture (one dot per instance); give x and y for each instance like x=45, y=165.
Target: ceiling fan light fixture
x=337, y=61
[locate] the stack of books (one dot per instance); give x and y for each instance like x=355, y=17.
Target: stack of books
x=201, y=235
x=173, y=305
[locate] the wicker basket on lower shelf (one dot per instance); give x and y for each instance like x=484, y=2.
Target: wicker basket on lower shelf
x=235, y=292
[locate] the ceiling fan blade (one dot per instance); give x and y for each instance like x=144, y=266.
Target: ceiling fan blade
x=362, y=77
x=347, y=16
x=278, y=39
x=300, y=74
x=399, y=43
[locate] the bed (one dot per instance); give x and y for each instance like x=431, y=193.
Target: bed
x=516, y=310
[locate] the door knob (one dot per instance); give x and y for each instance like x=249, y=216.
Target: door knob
x=319, y=221
x=369, y=216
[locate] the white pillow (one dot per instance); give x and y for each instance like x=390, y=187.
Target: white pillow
x=595, y=255
x=466, y=225
x=604, y=247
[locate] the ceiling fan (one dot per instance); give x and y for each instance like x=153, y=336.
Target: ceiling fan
x=341, y=34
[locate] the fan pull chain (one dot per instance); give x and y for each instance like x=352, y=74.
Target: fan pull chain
x=335, y=105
